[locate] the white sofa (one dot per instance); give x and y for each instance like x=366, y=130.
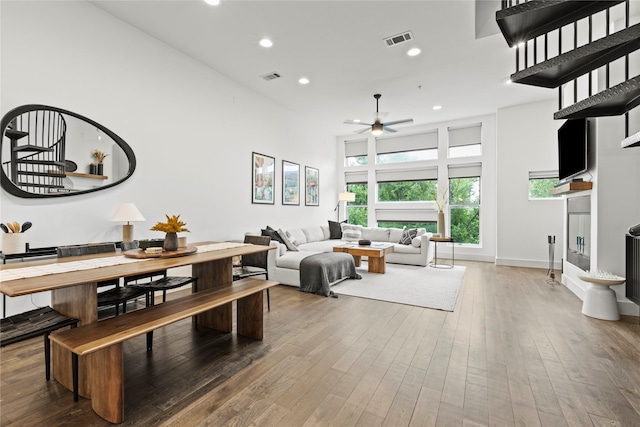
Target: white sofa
x=284, y=265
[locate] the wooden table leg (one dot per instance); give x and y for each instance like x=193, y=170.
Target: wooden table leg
x=212, y=275
x=377, y=265
x=79, y=302
x=357, y=260
x=250, y=316
x=106, y=368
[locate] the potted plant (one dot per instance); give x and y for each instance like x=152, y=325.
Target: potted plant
x=99, y=156
x=171, y=227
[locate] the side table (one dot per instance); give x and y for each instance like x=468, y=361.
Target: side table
x=435, y=263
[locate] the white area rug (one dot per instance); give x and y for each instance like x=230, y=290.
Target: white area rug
x=406, y=284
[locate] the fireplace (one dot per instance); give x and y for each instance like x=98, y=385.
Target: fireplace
x=579, y=232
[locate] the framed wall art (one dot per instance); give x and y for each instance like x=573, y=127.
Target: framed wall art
x=263, y=168
x=290, y=183
x=312, y=186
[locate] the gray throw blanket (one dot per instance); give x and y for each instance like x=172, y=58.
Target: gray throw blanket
x=318, y=272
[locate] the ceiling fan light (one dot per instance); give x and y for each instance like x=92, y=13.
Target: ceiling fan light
x=376, y=129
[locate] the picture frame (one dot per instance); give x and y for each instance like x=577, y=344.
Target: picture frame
x=263, y=169
x=312, y=186
x=290, y=183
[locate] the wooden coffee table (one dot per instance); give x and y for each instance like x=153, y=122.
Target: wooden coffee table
x=376, y=253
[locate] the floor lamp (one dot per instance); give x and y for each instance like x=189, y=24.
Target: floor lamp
x=127, y=212
x=344, y=197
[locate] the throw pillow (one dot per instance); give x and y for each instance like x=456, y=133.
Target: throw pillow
x=271, y=233
x=335, y=231
x=407, y=236
x=416, y=242
x=351, y=232
x=290, y=245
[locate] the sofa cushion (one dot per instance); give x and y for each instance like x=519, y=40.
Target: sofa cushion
x=313, y=234
x=395, y=234
x=288, y=240
x=407, y=236
x=375, y=234
x=292, y=259
x=298, y=235
x=335, y=231
x=325, y=231
x=404, y=249
x=351, y=232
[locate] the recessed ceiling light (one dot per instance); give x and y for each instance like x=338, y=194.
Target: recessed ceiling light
x=414, y=52
x=266, y=42
x=212, y=2
x=437, y=107
x=303, y=81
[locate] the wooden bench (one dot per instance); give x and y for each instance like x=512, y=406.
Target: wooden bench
x=100, y=343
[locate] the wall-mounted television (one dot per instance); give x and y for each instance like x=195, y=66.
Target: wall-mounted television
x=573, y=148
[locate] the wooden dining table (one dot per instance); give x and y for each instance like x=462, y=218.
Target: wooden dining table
x=74, y=293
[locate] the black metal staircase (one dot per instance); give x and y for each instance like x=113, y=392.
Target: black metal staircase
x=37, y=151
x=533, y=26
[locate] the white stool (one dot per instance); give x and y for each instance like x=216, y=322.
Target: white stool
x=600, y=300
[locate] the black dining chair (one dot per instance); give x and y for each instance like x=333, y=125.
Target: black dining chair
x=155, y=281
x=115, y=296
x=254, y=264
x=33, y=323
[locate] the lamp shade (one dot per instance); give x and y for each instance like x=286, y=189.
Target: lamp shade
x=128, y=212
x=347, y=197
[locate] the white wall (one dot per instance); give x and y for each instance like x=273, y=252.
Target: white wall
x=192, y=130
x=527, y=141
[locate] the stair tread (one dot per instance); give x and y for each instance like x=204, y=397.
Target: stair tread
x=527, y=20
x=48, y=174
x=31, y=184
x=15, y=134
x=31, y=147
x=614, y=101
x=570, y=65
x=42, y=162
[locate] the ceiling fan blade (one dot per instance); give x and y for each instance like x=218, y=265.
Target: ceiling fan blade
x=364, y=130
x=380, y=115
x=388, y=129
x=353, y=122
x=397, y=122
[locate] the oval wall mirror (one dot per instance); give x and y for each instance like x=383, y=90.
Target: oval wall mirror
x=50, y=152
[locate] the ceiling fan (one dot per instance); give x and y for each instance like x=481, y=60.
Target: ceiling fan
x=377, y=127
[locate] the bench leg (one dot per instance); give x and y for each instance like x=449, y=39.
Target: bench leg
x=47, y=357
x=149, y=341
x=250, y=316
x=74, y=370
x=106, y=370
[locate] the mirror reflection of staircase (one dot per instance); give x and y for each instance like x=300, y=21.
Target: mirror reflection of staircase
x=37, y=151
x=549, y=36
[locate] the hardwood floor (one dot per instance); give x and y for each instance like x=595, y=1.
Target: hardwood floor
x=516, y=351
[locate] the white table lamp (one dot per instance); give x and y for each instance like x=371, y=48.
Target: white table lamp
x=127, y=212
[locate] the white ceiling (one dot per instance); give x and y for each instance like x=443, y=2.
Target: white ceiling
x=339, y=46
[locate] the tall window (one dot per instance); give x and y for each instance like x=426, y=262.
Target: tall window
x=465, y=140
x=541, y=183
x=464, y=202
x=357, y=211
x=410, y=148
x=356, y=153
x=407, y=185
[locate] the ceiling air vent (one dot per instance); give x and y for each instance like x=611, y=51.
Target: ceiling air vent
x=271, y=76
x=400, y=38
